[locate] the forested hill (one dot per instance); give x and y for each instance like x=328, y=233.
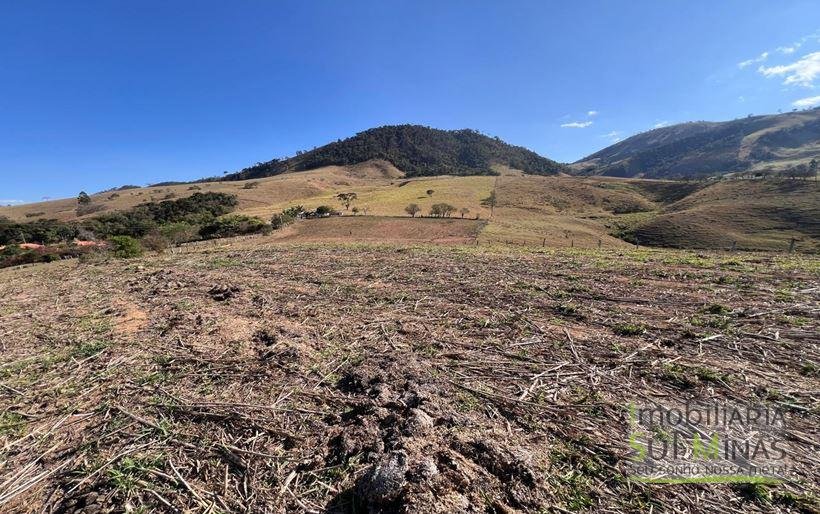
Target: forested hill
x=415, y=150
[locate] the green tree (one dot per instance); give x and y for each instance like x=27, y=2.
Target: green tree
x=412, y=210
x=125, y=247
x=83, y=198
x=347, y=199
x=441, y=210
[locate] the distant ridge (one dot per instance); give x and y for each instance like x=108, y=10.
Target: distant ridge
x=415, y=150
x=711, y=148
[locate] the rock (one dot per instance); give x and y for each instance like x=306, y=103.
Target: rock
x=385, y=480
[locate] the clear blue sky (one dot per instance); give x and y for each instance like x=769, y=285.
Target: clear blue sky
x=97, y=94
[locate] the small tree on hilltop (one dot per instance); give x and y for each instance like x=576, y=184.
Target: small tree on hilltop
x=347, y=199
x=412, y=210
x=83, y=198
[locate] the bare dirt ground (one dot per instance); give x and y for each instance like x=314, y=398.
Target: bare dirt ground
x=390, y=378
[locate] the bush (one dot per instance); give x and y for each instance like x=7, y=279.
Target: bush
x=15, y=256
x=39, y=231
x=324, y=210
x=280, y=220
x=294, y=211
x=197, y=209
x=11, y=250
x=230, y=226
x=125, y=247
x=180, y=232
x=155, y=242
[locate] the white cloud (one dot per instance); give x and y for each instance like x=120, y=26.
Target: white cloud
x=11, y=202
x=801, y=72
x=613, y=136
x=592, y=113
x=804, y=103
x=577, y=124
x=741, y=99
x=760, y=58
x=788, y=49
x=660, y=124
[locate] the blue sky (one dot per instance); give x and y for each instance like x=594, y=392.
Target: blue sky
x=98, y=94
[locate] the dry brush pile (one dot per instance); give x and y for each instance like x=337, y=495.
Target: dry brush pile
x=392, y=379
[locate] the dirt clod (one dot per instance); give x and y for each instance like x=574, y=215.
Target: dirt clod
x=385, y=480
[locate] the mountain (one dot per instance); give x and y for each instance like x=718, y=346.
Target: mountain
x=698, y=149
x=415, y=150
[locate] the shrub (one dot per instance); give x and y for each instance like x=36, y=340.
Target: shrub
x=412, y=209
x=155, y=242
x=125, y=247
x=39, y=231
x=251, y=185
x=294, y=211
x=179, y=232
x=230, y=226
x=324, y=210
x=280, y=220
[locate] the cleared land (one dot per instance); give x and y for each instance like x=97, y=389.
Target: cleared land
x=258, y=376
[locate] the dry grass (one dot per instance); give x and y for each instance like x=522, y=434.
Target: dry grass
x=381, y=229
x=558, y=211
x=261, y=377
